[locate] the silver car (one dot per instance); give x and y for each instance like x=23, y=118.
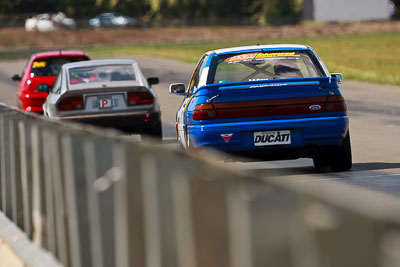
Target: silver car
x=108, y=93
x=112, y=20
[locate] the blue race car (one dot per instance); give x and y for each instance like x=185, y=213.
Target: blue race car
x=267, y=102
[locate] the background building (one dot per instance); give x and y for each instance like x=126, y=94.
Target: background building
x=345, y=10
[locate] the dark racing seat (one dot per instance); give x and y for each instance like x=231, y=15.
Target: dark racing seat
x=287, y=68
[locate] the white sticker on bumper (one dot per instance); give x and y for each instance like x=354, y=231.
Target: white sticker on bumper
x=270, y=138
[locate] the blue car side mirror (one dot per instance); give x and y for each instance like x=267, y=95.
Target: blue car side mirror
x=338, y=76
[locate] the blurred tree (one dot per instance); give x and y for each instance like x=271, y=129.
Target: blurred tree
x=135, y=8
x=235, y=8
x=79, y=8
x=210, y=10
x=31, y=6
x=271, y=12
x=279, y=12
x=7, y=6
x=396, y=14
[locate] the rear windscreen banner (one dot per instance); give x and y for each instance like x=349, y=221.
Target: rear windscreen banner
x=255, y=56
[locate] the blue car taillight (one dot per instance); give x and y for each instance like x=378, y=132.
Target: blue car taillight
x=336, y=104
x=204, y=112
x=274, y=107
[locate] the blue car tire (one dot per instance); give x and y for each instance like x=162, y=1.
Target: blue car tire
x=341, y=157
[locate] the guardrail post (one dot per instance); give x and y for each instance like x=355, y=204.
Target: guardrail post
x=76, y=204
x=57, y=176
x=152, y=211
x=15, y=172
x=183, y=217
x=121, y=208
x=2, y=196
x=48, y=181
x=210, y=223
x=273, y=219
x=239, y=226
x=100, y=197
x=331, y=228
x=6, y=200
x=389, y=247
x=38, y=187
x=25, y=140
x=129, y=189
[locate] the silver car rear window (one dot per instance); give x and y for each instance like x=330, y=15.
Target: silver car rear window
x=101, y=74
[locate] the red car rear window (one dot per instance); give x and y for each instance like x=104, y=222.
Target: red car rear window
x=51, y=66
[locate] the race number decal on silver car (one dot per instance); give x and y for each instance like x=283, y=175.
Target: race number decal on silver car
x=270, y=138
x=106, y=102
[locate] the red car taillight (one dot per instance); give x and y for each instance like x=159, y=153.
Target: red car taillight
x=140, y=98
x=71, y=103
x=336, y=104
x=204, y=112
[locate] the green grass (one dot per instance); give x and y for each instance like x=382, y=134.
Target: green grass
x=20, y=54
x=371, y=58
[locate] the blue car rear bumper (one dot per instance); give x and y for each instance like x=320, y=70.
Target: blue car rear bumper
x=320, y=131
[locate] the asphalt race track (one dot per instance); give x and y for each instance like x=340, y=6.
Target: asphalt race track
x=374, y=126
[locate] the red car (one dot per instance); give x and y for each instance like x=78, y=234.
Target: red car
x=40, y=74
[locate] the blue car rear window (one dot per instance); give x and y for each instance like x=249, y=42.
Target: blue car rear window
x=254, y=66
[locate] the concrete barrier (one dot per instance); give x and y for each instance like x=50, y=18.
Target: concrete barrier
x=17, y=250
x=94, y=198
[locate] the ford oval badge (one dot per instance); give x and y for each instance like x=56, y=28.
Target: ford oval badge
x=315, y=107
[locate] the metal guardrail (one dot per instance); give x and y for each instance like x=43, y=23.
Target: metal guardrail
x=101, y=200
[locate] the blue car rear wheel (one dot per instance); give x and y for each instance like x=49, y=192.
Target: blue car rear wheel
x=321, y=159
x=341, y=158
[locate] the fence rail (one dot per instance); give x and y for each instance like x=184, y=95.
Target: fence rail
x=101, y=200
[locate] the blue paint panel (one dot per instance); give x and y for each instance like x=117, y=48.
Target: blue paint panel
x=304, y=132
x=209, y=60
